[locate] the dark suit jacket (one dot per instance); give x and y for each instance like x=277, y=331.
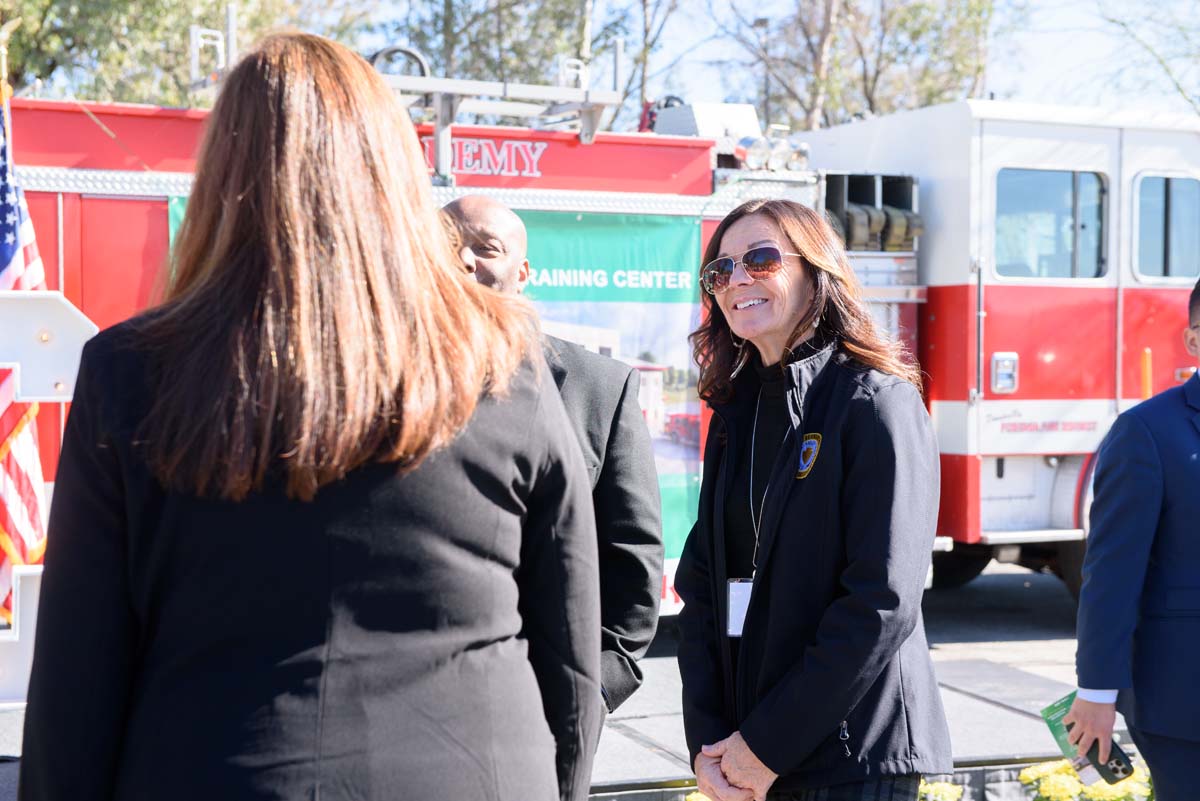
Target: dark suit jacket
x=1139, y=609
x=601, y=398
x=431, y=636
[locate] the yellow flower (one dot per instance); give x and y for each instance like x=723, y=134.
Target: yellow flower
x=1033, y=773
x=939, y=791
x=1059, y=787
x=1103, y=791
x=1133, y=788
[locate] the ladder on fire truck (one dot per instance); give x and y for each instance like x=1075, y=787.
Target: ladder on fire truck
x=450, y=96
x=569, y=103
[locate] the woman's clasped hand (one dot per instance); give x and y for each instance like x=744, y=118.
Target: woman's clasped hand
x=732, y=772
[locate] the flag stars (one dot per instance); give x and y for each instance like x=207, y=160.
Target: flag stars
x=9, y=238
x=11, y=218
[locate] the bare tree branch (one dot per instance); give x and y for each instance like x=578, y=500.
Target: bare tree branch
x=821, y=64
x=1128, y=29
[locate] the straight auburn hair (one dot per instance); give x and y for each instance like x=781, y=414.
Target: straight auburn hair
x=837, y=308
x=316, y=317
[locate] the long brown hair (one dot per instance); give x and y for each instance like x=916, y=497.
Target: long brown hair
x=837, y=307
x=316, y=318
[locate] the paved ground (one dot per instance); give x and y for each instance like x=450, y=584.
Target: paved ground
x=1003, y=647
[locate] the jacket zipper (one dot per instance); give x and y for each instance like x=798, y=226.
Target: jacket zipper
x=844, y=736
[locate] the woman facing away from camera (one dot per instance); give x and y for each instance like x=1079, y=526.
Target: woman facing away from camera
x=806, y=674
x=321, y=528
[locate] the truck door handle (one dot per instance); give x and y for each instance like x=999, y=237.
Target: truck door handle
x=1006, y=372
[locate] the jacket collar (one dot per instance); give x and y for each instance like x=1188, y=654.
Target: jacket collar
x=799, y=374
x=1191, y=391
x=1191, y=394
x=802, y=372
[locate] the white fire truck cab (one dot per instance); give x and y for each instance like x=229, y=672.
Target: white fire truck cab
x=1059, y=249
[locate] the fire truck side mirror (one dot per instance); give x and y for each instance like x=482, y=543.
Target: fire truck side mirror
x=43, y=336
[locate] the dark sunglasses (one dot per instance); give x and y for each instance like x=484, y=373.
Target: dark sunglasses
x=760, y=262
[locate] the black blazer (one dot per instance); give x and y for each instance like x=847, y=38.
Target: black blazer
x=601, y=398
x=1139, y=609
x=426, y=636
x=834, y=682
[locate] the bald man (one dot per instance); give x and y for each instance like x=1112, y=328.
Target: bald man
x=494, y=242
x=601, y=398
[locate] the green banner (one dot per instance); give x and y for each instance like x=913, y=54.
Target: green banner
x=680, y=494
x=624, y=285
x=636, y=258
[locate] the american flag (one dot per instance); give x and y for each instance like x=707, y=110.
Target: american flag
x=20, y=264
x=22, y=491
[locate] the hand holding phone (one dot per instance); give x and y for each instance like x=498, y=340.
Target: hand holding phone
x=1119, y=766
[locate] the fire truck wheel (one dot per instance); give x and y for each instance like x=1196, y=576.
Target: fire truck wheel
x=955, y=568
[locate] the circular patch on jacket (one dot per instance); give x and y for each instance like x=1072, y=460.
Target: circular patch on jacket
x=810, y=446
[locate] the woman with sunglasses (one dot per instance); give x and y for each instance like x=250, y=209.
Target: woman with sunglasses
x=322, y=529
x=806, y=674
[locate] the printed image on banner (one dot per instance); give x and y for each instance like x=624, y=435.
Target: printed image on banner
x=624, y=286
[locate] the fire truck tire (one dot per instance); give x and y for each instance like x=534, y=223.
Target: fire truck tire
x=955, y=568
x=1071, y=554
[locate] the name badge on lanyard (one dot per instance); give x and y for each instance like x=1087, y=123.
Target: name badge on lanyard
x=739, y=602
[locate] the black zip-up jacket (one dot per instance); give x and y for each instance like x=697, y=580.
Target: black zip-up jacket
x=834, y=681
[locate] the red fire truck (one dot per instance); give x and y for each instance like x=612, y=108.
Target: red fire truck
x=1057, y=244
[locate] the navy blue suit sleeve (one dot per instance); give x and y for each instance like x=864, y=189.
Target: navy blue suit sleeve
x=1125, y=513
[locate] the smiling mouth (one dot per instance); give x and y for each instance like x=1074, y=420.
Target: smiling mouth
x=749, y=303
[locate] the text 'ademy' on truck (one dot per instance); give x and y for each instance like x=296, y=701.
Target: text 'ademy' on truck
x=1041, y=281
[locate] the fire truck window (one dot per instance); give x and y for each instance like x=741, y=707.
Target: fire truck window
x=1184, y=255
x=1090, y=246
x=1152, y=226
x=1049, y=224
x=1169, y=227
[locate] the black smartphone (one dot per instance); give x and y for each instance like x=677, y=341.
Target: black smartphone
x=1119, y=766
